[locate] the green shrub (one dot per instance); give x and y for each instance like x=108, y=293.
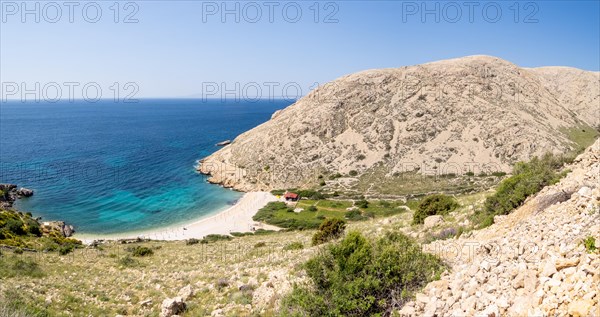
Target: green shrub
x=294, y=246
x=353, y=173
x=590, y=244
x=214, y=238
x=360, y=277
x=313, y=208
x=128, y=261
x=15, y=226
x=310, y=194
x=192, y=241
x=437, y=204
x=66, y=249
x=322, y=183
x=355, y=215
x=470, y=174
x=330, y=229
x=528, y=179
x=260, y=245
x=362, y=204
x=141, y=251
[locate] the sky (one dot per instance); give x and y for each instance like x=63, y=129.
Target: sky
x=174, y=49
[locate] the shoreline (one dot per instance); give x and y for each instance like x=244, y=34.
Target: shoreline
x=236, y=218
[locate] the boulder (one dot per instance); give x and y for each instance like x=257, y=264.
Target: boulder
x=580, y=308
x=433, y=221
x=545, y=201
x=172, y=306
x=186, y=292
x=25, y=192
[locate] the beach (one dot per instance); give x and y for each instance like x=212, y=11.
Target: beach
x=237, y=218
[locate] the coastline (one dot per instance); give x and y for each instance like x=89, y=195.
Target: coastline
x=237, y=218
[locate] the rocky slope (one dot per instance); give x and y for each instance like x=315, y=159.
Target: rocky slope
x=476, y=113
x=531, y=263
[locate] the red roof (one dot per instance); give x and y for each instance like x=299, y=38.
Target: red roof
x=291, y=195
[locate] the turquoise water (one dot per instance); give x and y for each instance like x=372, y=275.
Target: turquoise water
x=111, y=167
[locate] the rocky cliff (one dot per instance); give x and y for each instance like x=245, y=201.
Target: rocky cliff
x=477, y=113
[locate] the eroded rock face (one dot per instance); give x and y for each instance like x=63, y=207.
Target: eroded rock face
x=477, y=109
x=533, y=263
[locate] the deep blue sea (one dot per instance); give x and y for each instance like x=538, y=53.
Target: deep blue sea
x=110, y=167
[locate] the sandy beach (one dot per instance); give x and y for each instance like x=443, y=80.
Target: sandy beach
x=237, y=218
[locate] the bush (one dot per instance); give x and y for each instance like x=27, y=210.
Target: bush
x=330, y=229
x=313, y=208
x=470, y=174
x=260, y=245
x=214, y=238
x=66, y=249
x=192, y=241
x=528, y=179
x=355, y=215
x=311, y=194
x=362, y=204
x=15, y=226
x=353, y=173
x=590, y=244
x=128, y=261
x=360, y=277
x=437, y=204
x=141, y=251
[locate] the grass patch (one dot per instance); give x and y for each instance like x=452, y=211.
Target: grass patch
x=582, y=135
x=19, y=266
x=293, y=246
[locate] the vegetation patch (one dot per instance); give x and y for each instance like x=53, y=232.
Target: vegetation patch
x=328, y=230
x=437, y=204
x=590, y=244
x=211, y=238
x=294, y=246
x=360, y=277
x=528, y=178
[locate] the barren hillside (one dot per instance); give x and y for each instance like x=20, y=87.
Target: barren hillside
x=476, y=113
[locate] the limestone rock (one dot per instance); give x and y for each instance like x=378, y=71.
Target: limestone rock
x=580, y=308
x=432, y=221
x=172, y=306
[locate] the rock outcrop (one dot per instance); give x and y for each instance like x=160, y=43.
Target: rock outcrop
x=57, y=226
x=9, y=193
x=477, y=113
x=533, y=263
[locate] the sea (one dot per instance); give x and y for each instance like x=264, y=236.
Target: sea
x=109, y=168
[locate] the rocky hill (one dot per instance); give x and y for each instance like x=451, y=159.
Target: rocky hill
x=477, y=113
x=534, y=262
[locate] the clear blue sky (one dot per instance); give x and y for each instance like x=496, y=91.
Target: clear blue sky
x=177, y=45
